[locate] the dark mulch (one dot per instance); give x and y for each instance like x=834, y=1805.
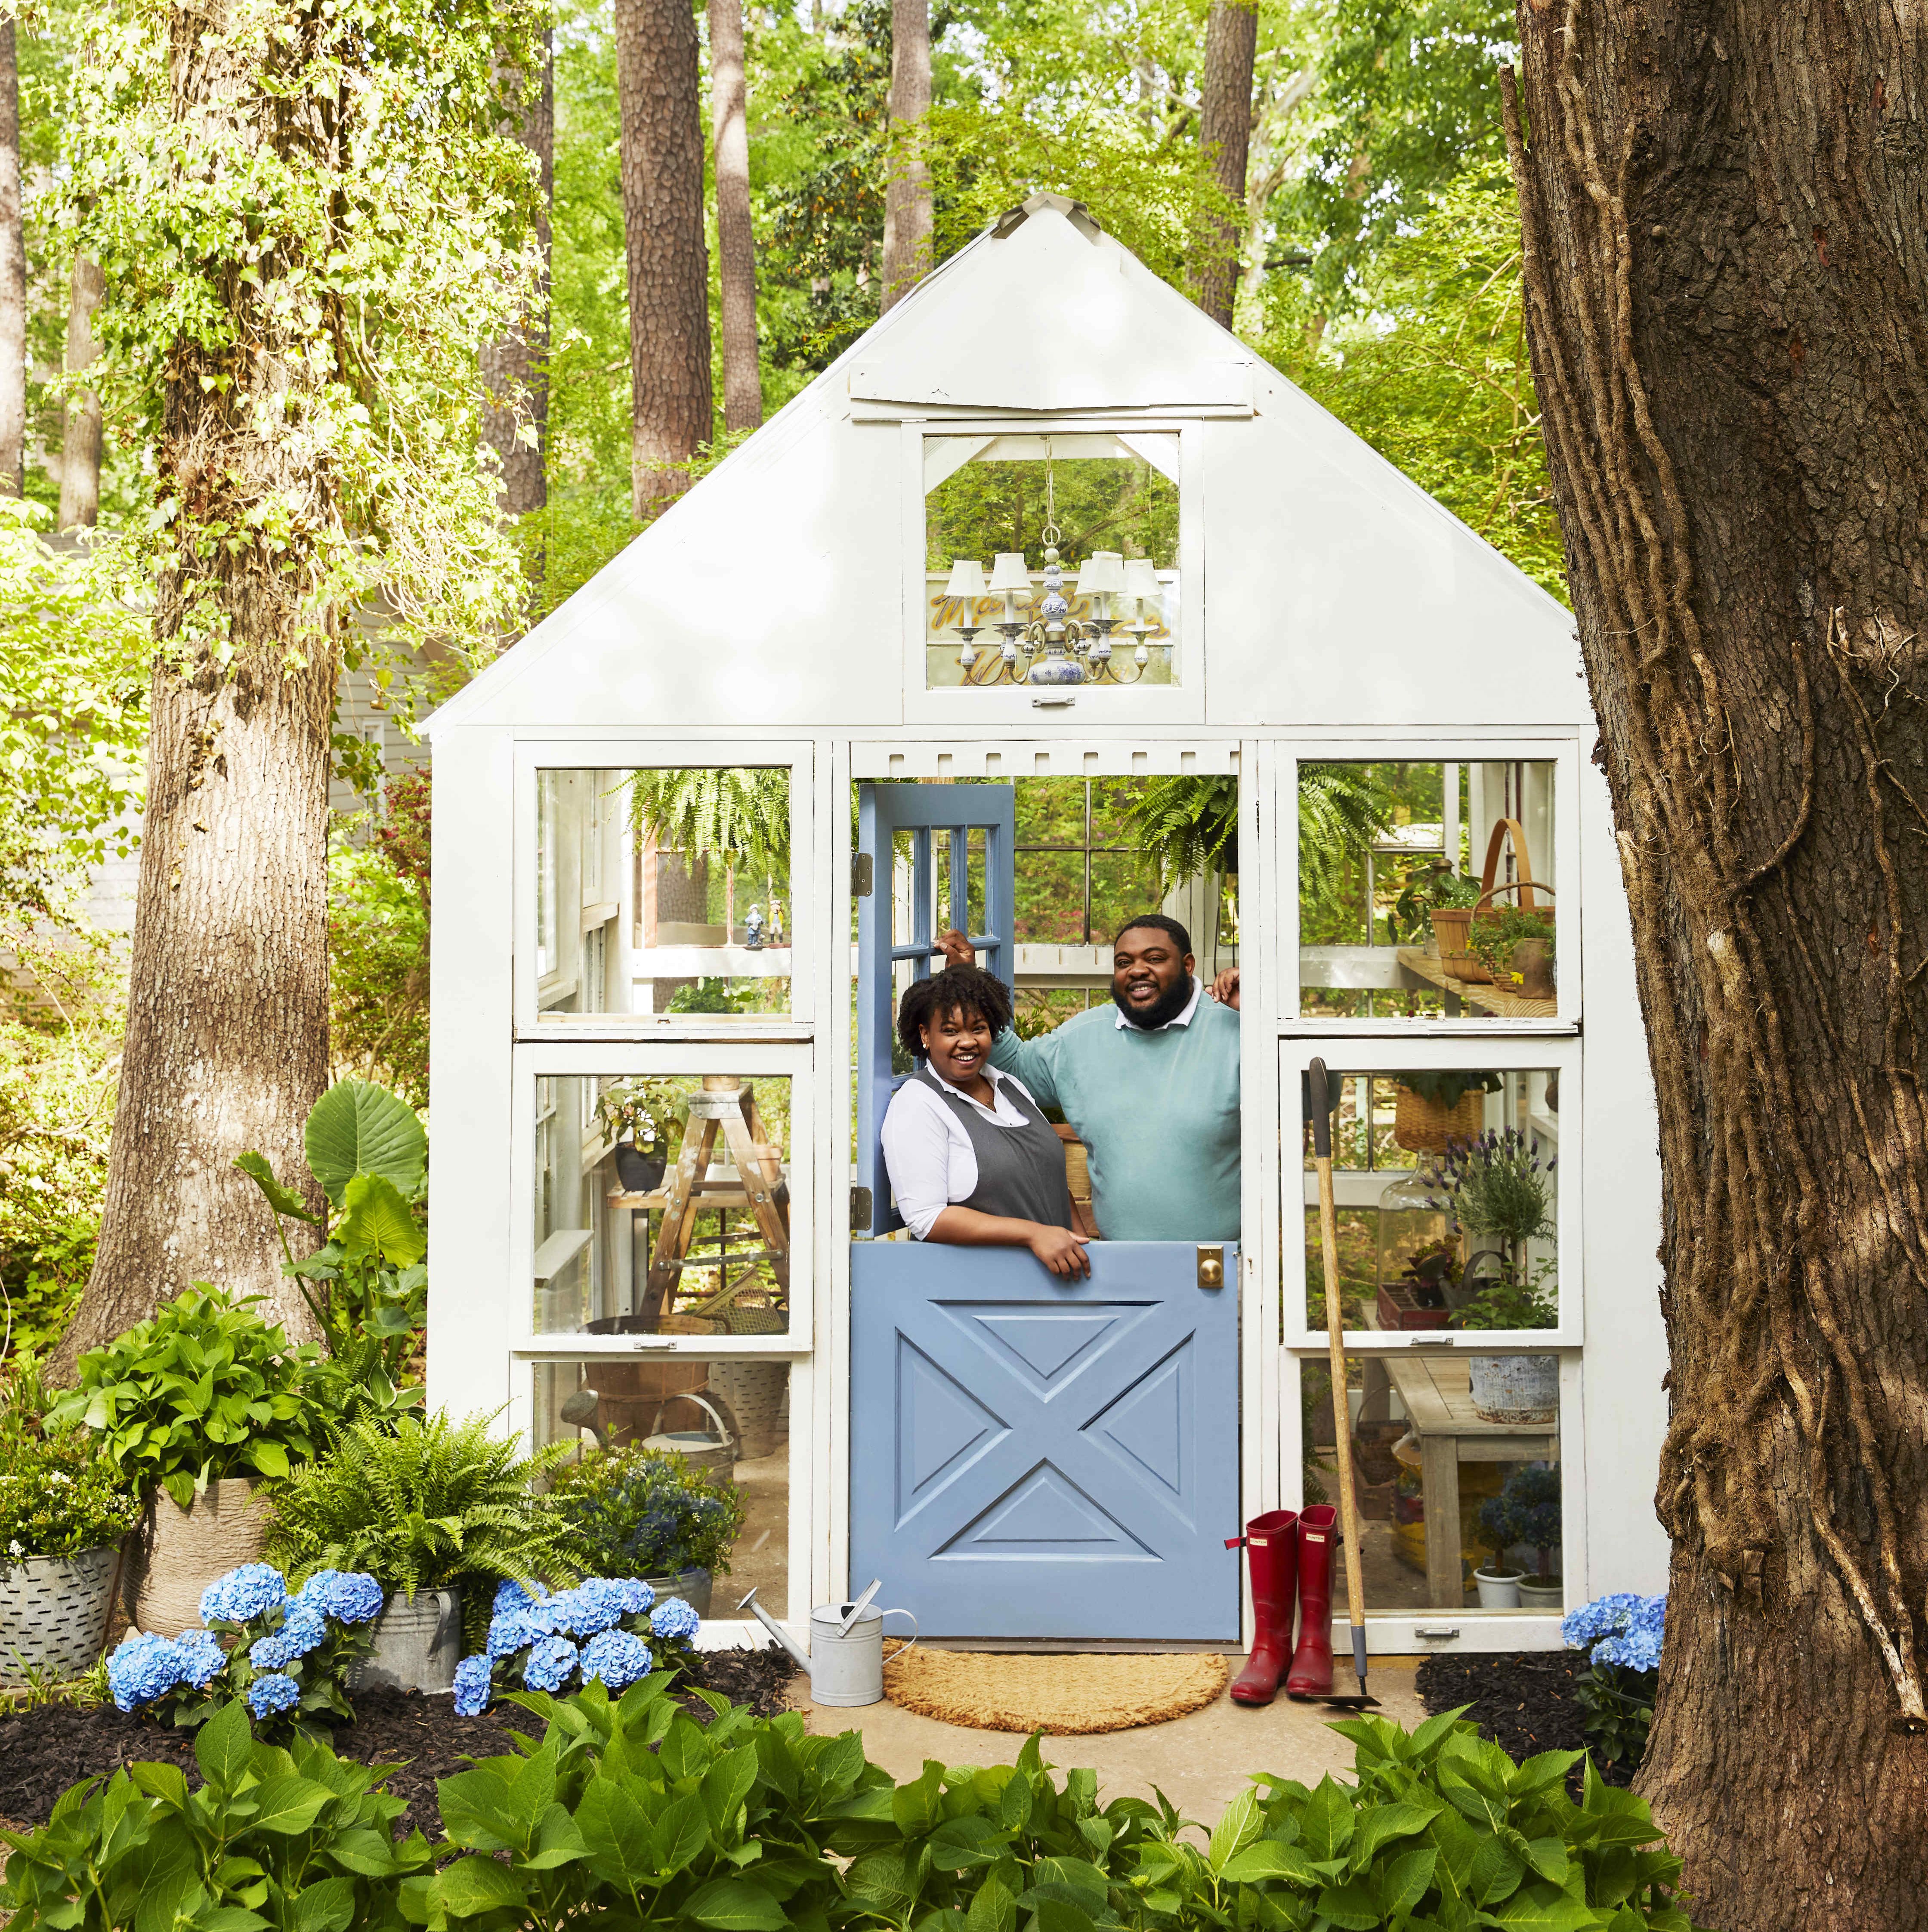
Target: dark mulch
x=1523, y=1700
x=43, y=1751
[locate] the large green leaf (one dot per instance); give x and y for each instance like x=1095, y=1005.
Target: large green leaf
x=357, y=1127
x=735, y=1905
x=255, y=1166
x=376, y=1220
x=478, y=1884
x=289, y=1804
x=222, y=1748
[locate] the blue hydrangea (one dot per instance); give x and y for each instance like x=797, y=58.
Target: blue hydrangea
x=551, y=1662
x=637, y=1595
x=242, y=1594
x=268, y=1696
x=617, y=1658
x=348, y=1596
x=144, y=1667
x=1624, y=1630
x=303, y=1629
x=508, y=1635
x=673, y=1620
x=1605, y=1616
x=511, y=1598
x=473, y=1687
x=201, y=1658
x=599, y=1603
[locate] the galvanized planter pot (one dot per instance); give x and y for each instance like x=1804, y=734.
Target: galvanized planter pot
x=53, y=1615
x=694, y=1586
x=417, y=1645
x=1515, y=1388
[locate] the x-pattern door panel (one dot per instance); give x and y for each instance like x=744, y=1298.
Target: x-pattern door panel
x=1036, y=1459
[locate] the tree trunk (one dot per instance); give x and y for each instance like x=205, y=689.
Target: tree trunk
x=515, y=369
x=907, y=195
x=735, y=246
x=661, y=164
x=80, y=439
x=1726, y=273
x=13, y=273
x=1225, y=134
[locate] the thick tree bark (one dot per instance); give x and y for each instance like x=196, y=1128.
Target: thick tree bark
x=1726, y=269
x=1225, y=135
x=13, y=273
x=736, y=245
x=906, y=196
x=515, y=369
x=672, y=402
x=80, y=439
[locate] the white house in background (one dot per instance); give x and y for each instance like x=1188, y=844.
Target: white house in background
x=1279, y=597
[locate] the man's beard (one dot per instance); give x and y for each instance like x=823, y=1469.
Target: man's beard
x=1165, y=1008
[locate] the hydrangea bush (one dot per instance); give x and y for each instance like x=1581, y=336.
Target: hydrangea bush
x=286, y=1656
x=1620, y=1634
x=608, y=1629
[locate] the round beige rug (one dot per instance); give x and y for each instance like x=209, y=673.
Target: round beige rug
x=1062, y=1696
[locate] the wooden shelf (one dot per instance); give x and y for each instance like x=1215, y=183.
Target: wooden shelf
x=1481, y=998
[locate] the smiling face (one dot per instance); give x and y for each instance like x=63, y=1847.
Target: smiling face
x=1146, y=966
x=957, y=1043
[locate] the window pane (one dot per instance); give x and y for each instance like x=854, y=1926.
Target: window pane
x=664, y=890
x=644, y=1221
x=1397, y=916
x=729, y=1423
x=1455, y=1468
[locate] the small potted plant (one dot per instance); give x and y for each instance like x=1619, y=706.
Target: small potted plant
x=63, y=1514
x=640, y=1119
x=1516, y=948
x=645, y=1513
x=1527, y=1511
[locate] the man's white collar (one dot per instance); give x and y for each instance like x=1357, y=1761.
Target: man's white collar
x=1177, y=1019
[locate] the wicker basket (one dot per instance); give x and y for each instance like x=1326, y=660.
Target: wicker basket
x=751, y=1394
x=1421, y=1126
x=53, y=1615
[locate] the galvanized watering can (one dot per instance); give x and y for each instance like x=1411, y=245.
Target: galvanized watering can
x=845, y=1661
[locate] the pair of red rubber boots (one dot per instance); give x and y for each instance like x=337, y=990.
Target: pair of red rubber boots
x=1289, y=1553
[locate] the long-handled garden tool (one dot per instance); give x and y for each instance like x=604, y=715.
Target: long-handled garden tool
x=1348, y=1501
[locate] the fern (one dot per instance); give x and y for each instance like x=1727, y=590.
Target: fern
x=436, y=1502
x=740, y=816
x=1343, y=810
x=1186, y=826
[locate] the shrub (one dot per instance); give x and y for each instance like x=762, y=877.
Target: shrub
x=58, y=1495
x=204, y=1388
x=1621, y=1634
x=608, y=1630
x=436, y=1503
x=647, y=1512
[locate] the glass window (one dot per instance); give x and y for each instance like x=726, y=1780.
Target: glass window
x=1051, y=560
x=1456, y=1470
x=729, y=1422
x=1426, y=890
x=661, y=1204
x=1079, y=870
x=664, y=889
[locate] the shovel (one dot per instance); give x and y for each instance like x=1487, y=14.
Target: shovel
x=1348, y=1502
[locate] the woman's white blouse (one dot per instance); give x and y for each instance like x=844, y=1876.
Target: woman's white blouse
x=927, y=1151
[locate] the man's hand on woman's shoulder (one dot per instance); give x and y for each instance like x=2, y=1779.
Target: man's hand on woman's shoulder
x=1225, y=988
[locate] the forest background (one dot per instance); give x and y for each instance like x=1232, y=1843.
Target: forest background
x=1377, y=243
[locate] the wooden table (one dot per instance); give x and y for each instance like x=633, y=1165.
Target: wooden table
x=1435, y=1388
x=1500, y=1003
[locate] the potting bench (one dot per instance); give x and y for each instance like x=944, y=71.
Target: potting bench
x=1482, y=997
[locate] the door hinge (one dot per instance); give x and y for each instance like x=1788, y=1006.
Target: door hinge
x=861, y=874
x=860, y=1207
x=1211, y=1266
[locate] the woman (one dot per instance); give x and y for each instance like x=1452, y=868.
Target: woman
x=972, y=1160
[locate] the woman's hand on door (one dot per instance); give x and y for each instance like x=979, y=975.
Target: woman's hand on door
x=957, y=949
x=1061, y=1251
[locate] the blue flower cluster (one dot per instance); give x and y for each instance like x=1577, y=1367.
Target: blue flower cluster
x=243, y=1594
x=595, y=1630
x=1623, y=1629
x=673, y=1620
x=348, y=1596
x=269, y=1696
x=303, y=1629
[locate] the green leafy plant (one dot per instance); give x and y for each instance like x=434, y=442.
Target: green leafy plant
x=1428, y=888
x=1185, y=825
x=203, y=1389
x=645, y=1112
x=1496, y=933
x=1448, y=1086
x=58, y=1495
x=1508, y=1296
x=740, y=816
x=645, y=1513
x=1495, y=1186
x=434, y=1504
x=1527, y=1510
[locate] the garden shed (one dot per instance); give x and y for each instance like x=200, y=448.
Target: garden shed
x=1046, y=562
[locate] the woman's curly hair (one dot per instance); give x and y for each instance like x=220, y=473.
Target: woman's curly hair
x=966, y=990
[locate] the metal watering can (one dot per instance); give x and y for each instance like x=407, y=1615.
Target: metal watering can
x=845, y=1661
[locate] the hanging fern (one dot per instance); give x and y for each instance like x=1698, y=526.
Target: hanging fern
x=739, y=816
x=1343, y=810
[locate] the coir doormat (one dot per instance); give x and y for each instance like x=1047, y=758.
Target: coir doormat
x=1062, y=1696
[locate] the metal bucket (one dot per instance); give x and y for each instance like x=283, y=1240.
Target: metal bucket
x=711, y=1456
x=846, y=1668
x=417, y=1643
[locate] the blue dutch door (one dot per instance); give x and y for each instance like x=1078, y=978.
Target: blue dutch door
x=1029, y=1458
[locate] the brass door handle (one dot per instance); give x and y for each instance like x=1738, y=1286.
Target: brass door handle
x=1211, y=1266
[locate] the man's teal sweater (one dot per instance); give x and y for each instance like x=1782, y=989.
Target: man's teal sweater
x=1158, y=1111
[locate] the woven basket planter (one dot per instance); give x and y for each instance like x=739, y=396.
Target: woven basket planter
x=752, y=1394
x=175, y=1554
x=1421, y=1126
x=53, y=1615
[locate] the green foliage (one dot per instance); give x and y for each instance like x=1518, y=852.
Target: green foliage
x=203, y=1389
x=1616, y=1711
x=433, y=1504
x=58, y=1495
x=639, y=1512
x=378, y=969
x=738, y=815
x=1343, y=809
x=647, y=1111
x=358, y=1128
x=1428, y=888
x=1186, y=826
x=1526, y=1511
x=1496, y=933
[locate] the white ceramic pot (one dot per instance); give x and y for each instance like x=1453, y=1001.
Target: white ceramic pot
x=53, y=1615
x=1499, y=1589
x=1538, y=1593
x=1519, y=1389
x=175, y=1554
x=417, y=1645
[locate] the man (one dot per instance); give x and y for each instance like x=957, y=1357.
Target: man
x=1151, y=1086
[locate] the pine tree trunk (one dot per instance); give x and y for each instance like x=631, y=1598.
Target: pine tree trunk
x=661, y=165
x=227, y=1019
x=1225, y=135
x=13, y=273
x=906, y=196
x=80, y=439
x=1726, y=281
x=736, y=245
x=515, y=369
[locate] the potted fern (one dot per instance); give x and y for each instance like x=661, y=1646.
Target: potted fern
x=439, y=1512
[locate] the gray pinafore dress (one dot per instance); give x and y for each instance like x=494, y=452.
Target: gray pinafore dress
x=1020, y=1169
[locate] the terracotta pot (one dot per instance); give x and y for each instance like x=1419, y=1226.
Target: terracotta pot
x=174, y=1554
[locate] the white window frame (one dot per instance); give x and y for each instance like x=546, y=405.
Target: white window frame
x=633, y=751
x=1562, y=751
x=1080, y=706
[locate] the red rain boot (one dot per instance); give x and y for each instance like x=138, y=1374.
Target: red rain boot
x=1271, y=1552
x=1310, y=1675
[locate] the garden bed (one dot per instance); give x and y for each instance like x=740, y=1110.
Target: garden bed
x=1523, y=1700
x=45, y=1750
